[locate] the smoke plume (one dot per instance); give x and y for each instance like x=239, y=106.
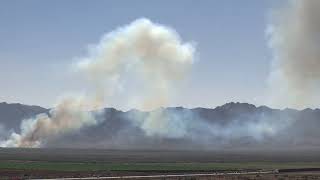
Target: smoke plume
x=294, y=39
x=70, y=114
x=148, y=61
x=153, y=53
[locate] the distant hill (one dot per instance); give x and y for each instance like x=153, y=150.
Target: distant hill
x=12, y=114
x=230, y=125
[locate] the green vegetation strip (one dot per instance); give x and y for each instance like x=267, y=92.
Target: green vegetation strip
x=66, y=166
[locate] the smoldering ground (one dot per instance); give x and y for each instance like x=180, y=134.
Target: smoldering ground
x=231, y=126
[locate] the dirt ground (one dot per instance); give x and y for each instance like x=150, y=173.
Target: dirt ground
x=23, y=174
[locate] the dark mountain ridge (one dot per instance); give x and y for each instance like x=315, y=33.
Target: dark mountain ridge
x=230, y=125
x=11, y=115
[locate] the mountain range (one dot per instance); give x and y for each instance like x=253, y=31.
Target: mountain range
x=240, y=125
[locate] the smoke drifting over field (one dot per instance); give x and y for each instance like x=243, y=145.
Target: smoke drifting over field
x=70, y=114
x=294, y=39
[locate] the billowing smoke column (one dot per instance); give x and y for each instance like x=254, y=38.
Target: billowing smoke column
x=295, y=41
x=154, y=53
x=154, y=58
x=70, y=114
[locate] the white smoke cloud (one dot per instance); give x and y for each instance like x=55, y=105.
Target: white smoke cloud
x=154, y=53
x=156, y=56
x=294, y=38
x=151, y=51
x=70, y=114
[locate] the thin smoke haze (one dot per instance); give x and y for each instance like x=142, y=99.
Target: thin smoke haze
x=294, y=39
